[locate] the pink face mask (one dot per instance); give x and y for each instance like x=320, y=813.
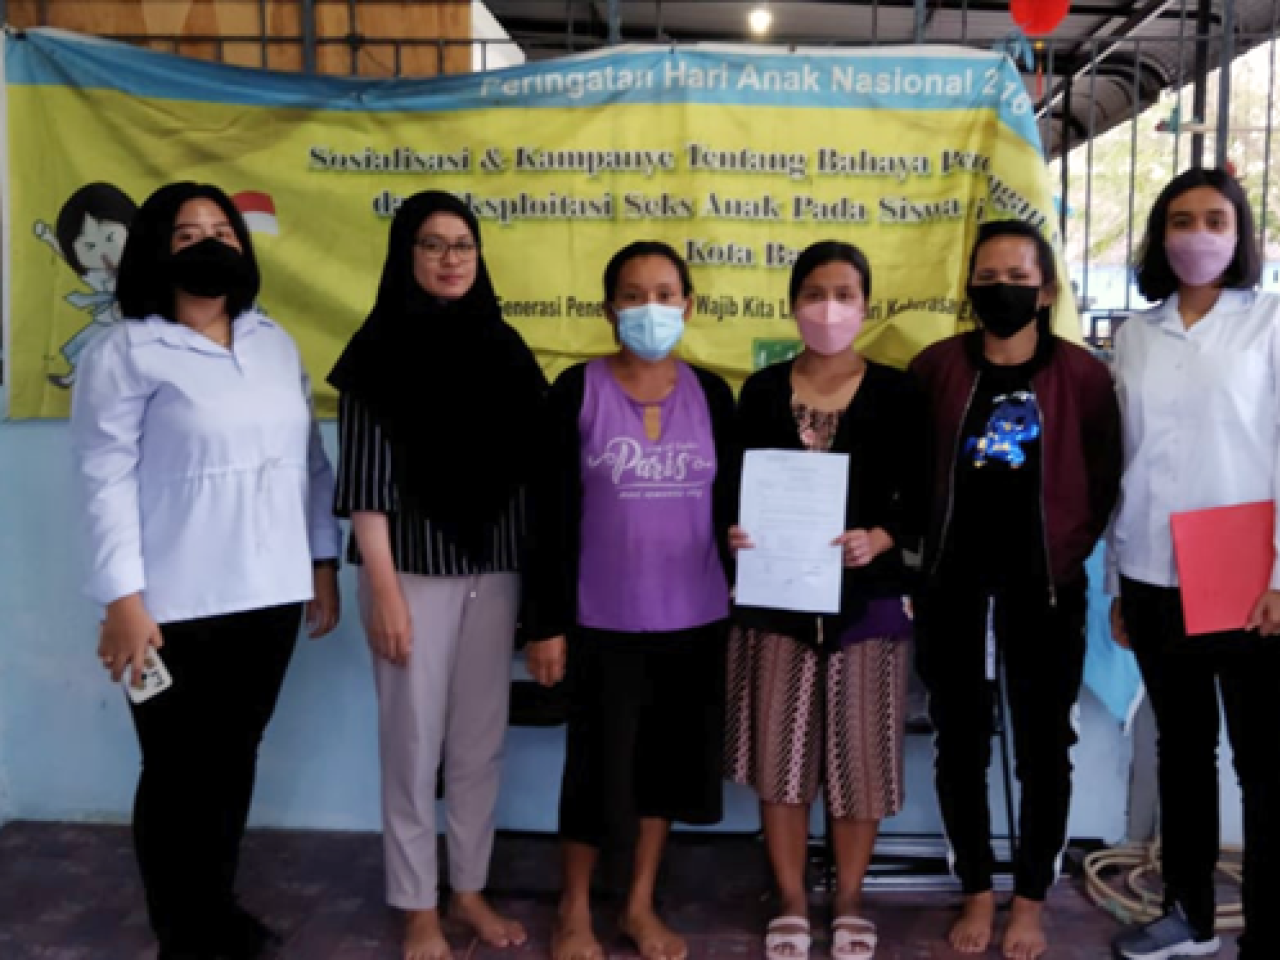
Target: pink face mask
x=1199, y=257
x=828, y=326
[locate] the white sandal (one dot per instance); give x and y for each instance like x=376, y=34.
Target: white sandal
x=853, y=938
x=783, y=944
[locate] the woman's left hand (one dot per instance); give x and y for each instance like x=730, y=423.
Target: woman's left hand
x=862, y=546
x=1266, y=614
x=324, y=610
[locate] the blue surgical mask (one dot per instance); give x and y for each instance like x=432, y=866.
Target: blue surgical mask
x=651, y=331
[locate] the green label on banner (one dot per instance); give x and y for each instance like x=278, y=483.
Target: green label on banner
x=766, y=352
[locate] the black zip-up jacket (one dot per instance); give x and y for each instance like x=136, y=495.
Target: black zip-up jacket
x=880, y=433
x=1080, y=445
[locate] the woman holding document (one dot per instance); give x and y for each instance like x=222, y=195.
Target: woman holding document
x=1024, y=442
x=627, y=592
x=1197, y=377
x=816, y=700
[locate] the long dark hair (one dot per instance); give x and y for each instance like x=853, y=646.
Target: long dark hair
x=1153, y=273
x=143, y=285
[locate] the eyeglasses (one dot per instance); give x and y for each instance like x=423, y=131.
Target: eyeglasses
x=437, y=248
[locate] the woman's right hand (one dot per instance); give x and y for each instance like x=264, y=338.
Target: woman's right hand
x=738, y=540
x=127, y=635
x=546, y=660
x=1118, y=632
x=390, y=624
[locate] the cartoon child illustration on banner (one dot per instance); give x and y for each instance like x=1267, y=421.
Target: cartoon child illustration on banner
x=89, y=235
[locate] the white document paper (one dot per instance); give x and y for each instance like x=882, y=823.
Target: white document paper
x=792, y=507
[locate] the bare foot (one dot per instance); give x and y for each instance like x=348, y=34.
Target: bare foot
x=489, y=925
x=653, y=939
x=573, y=938
x=1025, y=939
x=972, y=932
x=423, y=938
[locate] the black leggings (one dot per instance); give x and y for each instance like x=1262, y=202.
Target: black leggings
x=1042, y=645
x=199, y=744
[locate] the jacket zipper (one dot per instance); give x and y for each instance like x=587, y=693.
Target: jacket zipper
x=951, y=479
x=1044, y=520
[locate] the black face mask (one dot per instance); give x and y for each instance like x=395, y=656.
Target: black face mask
x=210, y=268
x=1004, y=308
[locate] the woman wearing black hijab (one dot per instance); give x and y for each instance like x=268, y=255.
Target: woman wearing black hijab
x=439, y=405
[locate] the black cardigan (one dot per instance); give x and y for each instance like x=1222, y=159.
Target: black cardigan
x=880, y=431
x=551, y=574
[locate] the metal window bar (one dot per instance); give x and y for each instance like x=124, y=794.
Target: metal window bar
x=353, y=35
x=615, y=22
x=1182, y=36
x=1266, y=140
x=1200, y=92
x=1088, y=185
x=1065, y=158
x=1133, y=171
x=1224, y=82
x=264, y=31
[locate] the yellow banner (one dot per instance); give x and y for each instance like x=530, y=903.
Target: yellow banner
x=737, y=158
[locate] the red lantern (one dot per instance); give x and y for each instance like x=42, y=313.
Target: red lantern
x=1038, y=18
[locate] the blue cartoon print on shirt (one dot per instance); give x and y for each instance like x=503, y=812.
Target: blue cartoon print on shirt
x=1014, y=421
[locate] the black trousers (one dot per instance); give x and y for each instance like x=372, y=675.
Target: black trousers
x=1184, y=677
x=1042, y=647
x=199, y=744
x=645, y=736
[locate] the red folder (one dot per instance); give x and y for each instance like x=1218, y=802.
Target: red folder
x=1224, y=556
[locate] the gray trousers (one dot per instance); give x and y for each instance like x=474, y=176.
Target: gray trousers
x=449, y=704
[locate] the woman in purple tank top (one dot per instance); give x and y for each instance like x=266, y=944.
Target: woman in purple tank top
x=627, y=595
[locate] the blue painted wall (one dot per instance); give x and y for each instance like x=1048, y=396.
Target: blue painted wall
x=67, y=750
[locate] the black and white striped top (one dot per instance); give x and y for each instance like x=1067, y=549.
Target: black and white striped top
x=365, y=483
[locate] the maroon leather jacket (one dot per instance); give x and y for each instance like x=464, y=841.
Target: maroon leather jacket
x=1081, y=446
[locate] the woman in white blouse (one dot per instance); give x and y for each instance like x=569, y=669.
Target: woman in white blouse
x=1199, y=383
x=207, y=495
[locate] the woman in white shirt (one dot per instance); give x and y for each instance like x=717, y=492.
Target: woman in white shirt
x=207, y=496
x=1198, y=382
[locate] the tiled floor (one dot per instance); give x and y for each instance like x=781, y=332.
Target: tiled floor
x=71, y=893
